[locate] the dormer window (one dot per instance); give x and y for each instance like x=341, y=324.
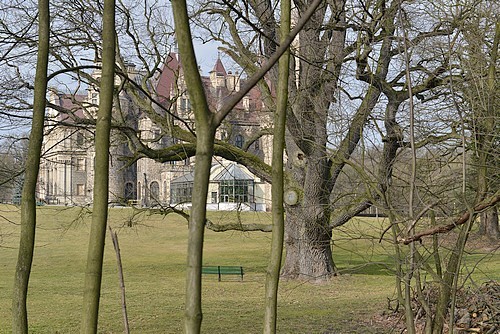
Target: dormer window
x=239, y=141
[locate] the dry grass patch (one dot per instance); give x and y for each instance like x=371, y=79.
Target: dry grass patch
x=154, y=253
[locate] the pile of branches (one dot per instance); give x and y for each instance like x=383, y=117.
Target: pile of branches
x=477, y=310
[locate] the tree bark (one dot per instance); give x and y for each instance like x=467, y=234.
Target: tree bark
x=307, y=231
x=486, y=133
x=489, y=224
x=205, y=136
x=273, y=271
x=93, y=272
x=28, y=204
x=119, y=266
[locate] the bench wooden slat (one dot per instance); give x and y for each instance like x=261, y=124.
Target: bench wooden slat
x=223, y=270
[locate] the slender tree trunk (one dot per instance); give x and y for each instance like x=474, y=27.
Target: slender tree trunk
x=116, y=245
x=412, y=267
x=93, y=273
x=205, y=137
x=446, y=287
x=193, y=312
x=273, y=271
x=28, y=204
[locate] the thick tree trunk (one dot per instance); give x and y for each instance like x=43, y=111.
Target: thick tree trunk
x=489, y=224
x=308, y=249
x=307, y=228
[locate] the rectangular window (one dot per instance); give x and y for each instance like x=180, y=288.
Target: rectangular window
x=185, y=104
x=80, y=189
x=246, y=103
x=236, y=191
x=95, y=99
x=80, y=164
x=214, y=197
x=181, y=192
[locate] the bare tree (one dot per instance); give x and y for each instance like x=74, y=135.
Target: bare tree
x=93, y=272
x=273, y=271
x=344, y=42
x=480, y=92
x=28, y=204
x=207, y=122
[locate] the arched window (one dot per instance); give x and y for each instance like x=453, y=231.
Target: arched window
x=79, y=139
x=154, y=192
x=238, y=142
x=129, y=191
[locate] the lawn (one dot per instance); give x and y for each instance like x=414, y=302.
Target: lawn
x=153, y=252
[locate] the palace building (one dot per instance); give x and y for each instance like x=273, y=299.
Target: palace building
x=67, y=167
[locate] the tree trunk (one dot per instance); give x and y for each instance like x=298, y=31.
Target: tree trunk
x=489, y=224
x=273, y=271
x=93, y=272
x=28, y=204
x=447, y=287
x=307, y=239
x=307, y=229
x=205, y=136
x=485, y=137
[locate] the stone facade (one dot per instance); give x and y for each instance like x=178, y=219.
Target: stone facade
x=67, y=171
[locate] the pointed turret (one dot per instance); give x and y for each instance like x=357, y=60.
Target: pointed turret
x=218, y=74
x=219, y=68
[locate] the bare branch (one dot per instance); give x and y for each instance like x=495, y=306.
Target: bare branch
x=490, y=202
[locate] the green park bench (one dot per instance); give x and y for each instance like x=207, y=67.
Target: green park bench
x=223, y=270
x=133, y=202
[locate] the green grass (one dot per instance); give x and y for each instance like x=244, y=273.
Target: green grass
x=154, y=252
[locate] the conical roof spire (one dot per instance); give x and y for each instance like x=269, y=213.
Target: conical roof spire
x=219, y=67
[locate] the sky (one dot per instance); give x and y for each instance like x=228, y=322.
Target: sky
x=206, y=56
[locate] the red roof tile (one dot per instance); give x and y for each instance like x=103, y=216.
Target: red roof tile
x=219, y=68
x=168, y=77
